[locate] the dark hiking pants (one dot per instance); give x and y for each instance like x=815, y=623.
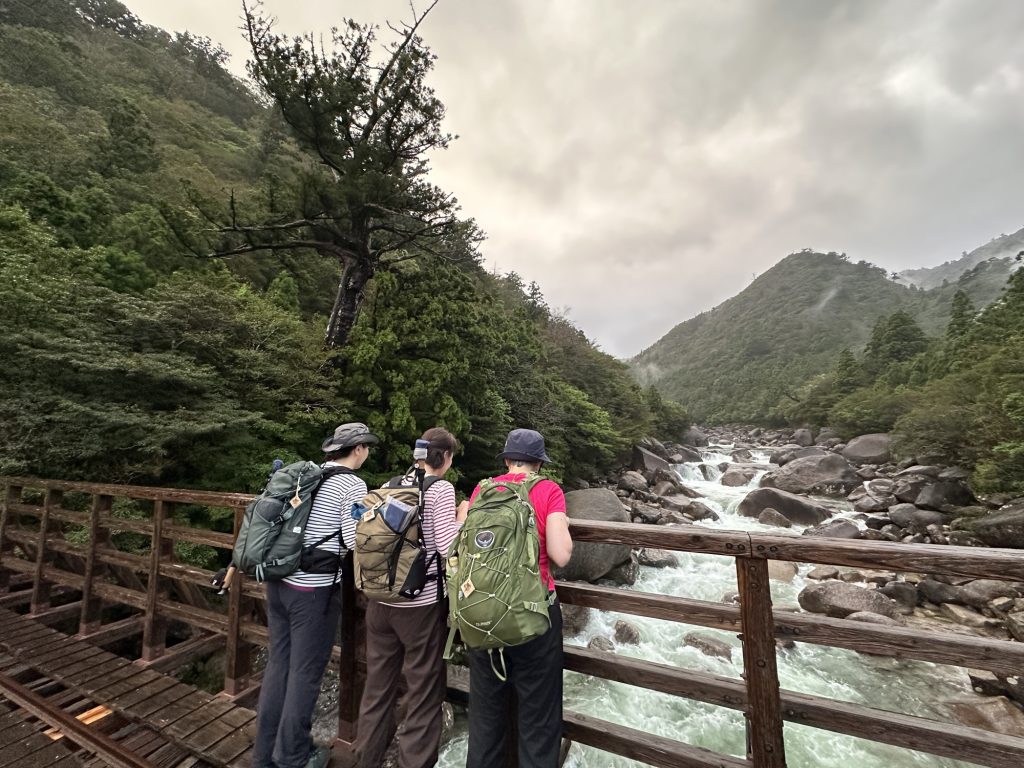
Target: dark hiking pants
x=534, y=672
x=302, y=627
x=405, y=642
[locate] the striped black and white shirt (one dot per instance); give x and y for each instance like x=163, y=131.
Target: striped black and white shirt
x=332, y=509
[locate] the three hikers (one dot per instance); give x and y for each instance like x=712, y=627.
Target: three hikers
x=409, y=538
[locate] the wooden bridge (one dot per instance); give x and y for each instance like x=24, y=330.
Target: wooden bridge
x=97, y=613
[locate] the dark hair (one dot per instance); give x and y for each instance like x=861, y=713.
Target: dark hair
x=441, y=441
x=341, y=453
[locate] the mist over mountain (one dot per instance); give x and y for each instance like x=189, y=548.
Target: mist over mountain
x=749, y=355
x=1003, y=249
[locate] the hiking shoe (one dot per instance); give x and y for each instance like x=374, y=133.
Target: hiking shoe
x=319, y=757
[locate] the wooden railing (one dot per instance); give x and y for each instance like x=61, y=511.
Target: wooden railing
x=58, y=536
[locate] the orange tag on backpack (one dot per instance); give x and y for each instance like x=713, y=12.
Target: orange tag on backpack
x=296, y=501
x=467, y=588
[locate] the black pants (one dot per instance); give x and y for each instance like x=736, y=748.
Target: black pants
x=302, y=627
x=534, y=672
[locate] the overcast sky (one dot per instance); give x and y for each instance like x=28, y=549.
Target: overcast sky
x=642, y=160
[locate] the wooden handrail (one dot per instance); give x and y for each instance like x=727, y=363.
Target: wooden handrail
x=32, y=545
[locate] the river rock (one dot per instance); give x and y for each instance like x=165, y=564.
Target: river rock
x=963, y=539
x=601, y=643
x=803, y=437
x=967, y=617
x=647, y=463
x=992, y=714
x=939, y=592
x=990, y=684
x=945, y=493
x=834, y=529
x=954, y=473
x=827, y=475
x=1004, y=528
x=873, y=618
x=825, y=435
x=742, y=455
x=925, y=470
x=782, y=570
x=909, y=516
x=646, y=513
x=904, y=593
x=794, y=508
x=625, y=574
x=655, y=446
x=839, y=600
x=632, y=481
x=1015, y=624
x=869, y=502
x=684, y=453
x=869, y=449
x=591, y=561
x=575, y=619
x=626, y=633
x=823, y=572
x=772, y=516
x=979, y=593
x=695, y=438
x=909, y=488
x=734, y=478
x=657, y=558
x=709, y=646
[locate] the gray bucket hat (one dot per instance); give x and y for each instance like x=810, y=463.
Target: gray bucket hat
x=524, y=445
x=348, y=435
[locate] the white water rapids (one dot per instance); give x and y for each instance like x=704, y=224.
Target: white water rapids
x=909, y=687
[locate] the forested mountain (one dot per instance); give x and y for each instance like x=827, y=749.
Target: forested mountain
x=1003, y=249
x=746, y=359
x=150, y=335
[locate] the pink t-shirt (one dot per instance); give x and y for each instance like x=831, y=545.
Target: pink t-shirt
x=547, y=498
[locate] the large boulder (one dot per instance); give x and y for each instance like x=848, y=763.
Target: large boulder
x=632, y=481
x=834, y=529
x=830, y=474
x=734, y=477
x=992, y=714
x=655, y=446
x=909, y=516
x=1004, y=528
x=803, y=437
x=647, y=463
x=592, y=561
x=869, y=449
x=794, y=508
x=694, y=437
x=945, y=493
x=686, y=453
x=839, y=599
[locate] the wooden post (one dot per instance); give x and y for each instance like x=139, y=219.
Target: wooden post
x=92, y=607
x=765, y=747
x=40, y=587
x=154, y=628
x=238, y=652
x=12, y=495
x=349, y=690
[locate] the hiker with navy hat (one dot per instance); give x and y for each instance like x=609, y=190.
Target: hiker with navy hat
x=303, y=611
x=533, y=670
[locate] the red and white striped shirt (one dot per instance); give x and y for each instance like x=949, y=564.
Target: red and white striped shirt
x=439, y=530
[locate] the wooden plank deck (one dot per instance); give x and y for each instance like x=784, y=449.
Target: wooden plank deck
x=174, y=724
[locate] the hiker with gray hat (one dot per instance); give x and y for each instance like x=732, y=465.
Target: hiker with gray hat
x=303, y=610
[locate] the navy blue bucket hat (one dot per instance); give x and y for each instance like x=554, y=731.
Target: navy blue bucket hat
x=524, y=445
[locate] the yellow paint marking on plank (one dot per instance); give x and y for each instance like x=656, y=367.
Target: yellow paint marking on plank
x=88, y=717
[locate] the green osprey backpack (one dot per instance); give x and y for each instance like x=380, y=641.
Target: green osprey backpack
x=495, y=594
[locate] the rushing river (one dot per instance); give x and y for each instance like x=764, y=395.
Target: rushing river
x=909, y=687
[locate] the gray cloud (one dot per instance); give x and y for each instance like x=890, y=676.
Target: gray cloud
x=642, y=161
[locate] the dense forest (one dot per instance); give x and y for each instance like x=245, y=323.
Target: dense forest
x=198, y=275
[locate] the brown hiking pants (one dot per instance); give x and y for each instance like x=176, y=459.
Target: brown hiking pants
x=405, y=642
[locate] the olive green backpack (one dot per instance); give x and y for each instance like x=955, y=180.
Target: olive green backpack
x=495, y=594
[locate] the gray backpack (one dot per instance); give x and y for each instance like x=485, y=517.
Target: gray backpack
x=269, y=543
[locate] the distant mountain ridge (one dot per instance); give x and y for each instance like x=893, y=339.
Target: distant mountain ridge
x=738, y=361
x=1004, y=247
